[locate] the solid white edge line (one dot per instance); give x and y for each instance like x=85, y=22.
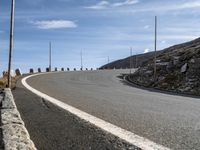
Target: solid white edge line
x=123, y=134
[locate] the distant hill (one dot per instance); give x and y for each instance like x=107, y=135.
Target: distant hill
x=178, y=68
x=137, y=61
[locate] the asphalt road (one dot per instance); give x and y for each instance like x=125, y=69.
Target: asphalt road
x=169, y=120
x=52, y=128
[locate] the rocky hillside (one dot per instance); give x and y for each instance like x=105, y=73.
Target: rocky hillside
x=178, y=68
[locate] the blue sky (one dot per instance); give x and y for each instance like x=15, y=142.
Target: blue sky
x=98, y=28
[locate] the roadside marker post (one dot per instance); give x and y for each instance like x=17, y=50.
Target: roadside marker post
x=81, y=60
x=49, y=56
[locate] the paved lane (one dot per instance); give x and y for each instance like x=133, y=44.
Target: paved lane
x=52, y=128
x=173, y=121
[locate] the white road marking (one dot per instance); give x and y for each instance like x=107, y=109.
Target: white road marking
x=123, y=134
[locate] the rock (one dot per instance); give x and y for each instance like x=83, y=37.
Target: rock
x=164, y=85
x=161, y=78
x=192, y=80
x=9, y=116
x=8, y=102
x=185, y=89
x=176, y=60
x=192, y=61
x=184, y=68
x=13, y=145
x=16, y=137
x=148, y=73
x=162, y=63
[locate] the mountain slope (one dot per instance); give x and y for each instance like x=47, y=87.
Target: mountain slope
x=178, y=68
x=136, y=61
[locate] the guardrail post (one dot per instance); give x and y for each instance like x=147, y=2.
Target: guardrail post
x=39, y=70
x=18, y=72
x=31, y=71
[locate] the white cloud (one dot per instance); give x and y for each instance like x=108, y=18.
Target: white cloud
x=178, y=37
x=127, y=2
x=146, y=50
x=55, y=24
x=181, y=6
x=192, y=4
x=100, y=5
x=146, y=27
x=159, y=7
x=106, y=4
x=163, y=42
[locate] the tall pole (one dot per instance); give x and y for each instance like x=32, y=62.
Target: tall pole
x=49, y=56
x=136, y=61
x=11, y=41
x=81, y=60
x=155, y=53
x=131, y=53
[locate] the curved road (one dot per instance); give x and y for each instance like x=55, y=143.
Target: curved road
x=169, y=120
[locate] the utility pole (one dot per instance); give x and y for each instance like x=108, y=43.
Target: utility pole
x=131, y=53
x=81, y=60
x=11, y=41
x=136, y=63
x=155, y=53
x=49, y=56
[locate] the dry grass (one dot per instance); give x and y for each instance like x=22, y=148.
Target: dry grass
x=3, y=82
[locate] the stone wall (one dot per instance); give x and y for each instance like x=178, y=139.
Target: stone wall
x=15, y=135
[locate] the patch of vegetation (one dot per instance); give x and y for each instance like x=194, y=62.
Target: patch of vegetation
x=3, y=82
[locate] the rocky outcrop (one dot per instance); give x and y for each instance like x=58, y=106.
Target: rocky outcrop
x=178, y=69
